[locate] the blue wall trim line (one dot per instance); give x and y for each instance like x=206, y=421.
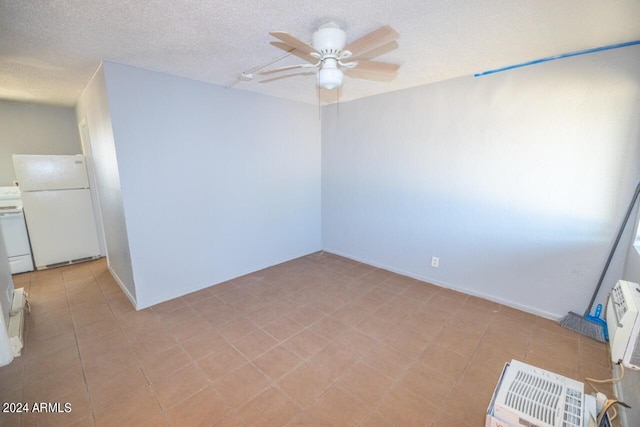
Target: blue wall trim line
x=564, y=55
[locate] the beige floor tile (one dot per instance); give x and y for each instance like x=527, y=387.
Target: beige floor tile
x=203, y=344
x=492, y=357
x=158, y=366
x=41, y=348
x=169, y=306
x=376, y=420
x=12, y=376
x=266, y=314
x=427, y=383
x=350, y=314
x=474, y=410
x=401, y=351
x=365, y=383
x=133, y=408
x=457, y=341
x=113, y=387
x=241, y=385
x=203, y=409
x=332, y=361
x=11, y=418
x=80, y=412
x=304, y=384
x=513, y=341
x=306, y=343
x=403, y=408
x=407, y=342
x=208, y=305
x=197, y=325
x=248, y=304
x=442, y=359
x=51, y=387
x=230, y=421
x=99, y=367
x=135, y=321
x=39, y=368
x=88, y=313
x=479, y=379
x=222, y=315
x=97, y=330
x=354, y=342
x=283, y=328
x=269, y=408
x=152, y=342
x=197, y=296
x=254, y=344
x=376, y=328
x=179, y=385
x=337, y=407
x=277, y=362
x=237, y=329
x=387, y=361
x=328, y=327
x=173, y=319
x=49, y=325
x=446, y=420
x=220, y=362
x=306, y=315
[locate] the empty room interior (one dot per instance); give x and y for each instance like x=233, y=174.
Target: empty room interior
x=319, y=214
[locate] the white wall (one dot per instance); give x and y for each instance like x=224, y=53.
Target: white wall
x=216, y=183
x=93, y=106
x=518, y=181
x=34, y=129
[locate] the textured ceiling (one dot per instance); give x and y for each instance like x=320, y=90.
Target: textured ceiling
x=49, y=50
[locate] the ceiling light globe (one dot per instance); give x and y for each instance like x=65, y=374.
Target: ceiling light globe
x=330, y=78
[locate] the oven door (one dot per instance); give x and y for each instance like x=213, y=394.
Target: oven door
x=16, y=241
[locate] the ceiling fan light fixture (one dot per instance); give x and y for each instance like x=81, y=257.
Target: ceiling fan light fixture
x=330, y=78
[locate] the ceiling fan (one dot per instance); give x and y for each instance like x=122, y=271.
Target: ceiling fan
x=331, y=55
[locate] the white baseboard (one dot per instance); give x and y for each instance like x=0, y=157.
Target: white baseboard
x=473, y=292
x=122, y=286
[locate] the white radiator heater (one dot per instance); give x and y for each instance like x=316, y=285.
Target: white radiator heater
x=533, y=397
x=623, y=323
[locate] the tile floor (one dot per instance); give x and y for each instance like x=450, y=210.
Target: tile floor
x=317, y=341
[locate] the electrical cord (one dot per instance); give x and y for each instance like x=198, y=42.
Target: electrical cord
x=610, y=402
x=609, y=405
x=590, y=381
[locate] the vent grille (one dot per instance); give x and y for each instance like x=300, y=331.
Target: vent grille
x=534, y=396
x=619, y=301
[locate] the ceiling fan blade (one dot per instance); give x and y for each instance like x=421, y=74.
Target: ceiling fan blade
x=289, y=67
x=295, y=52
x=376, y=67
x=381, y=50
x=374, y=39
x=293, y=42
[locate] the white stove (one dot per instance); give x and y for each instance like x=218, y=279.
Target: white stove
x=14, y=230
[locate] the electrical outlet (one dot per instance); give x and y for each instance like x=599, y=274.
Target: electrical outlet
x=435, y=261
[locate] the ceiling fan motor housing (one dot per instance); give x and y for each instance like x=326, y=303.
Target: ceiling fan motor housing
x=329, y=39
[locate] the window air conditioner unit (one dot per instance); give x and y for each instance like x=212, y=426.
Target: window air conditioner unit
x=532, y=397
x=624, y=323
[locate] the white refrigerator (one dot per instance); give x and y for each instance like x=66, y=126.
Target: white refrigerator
x=57, y=207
